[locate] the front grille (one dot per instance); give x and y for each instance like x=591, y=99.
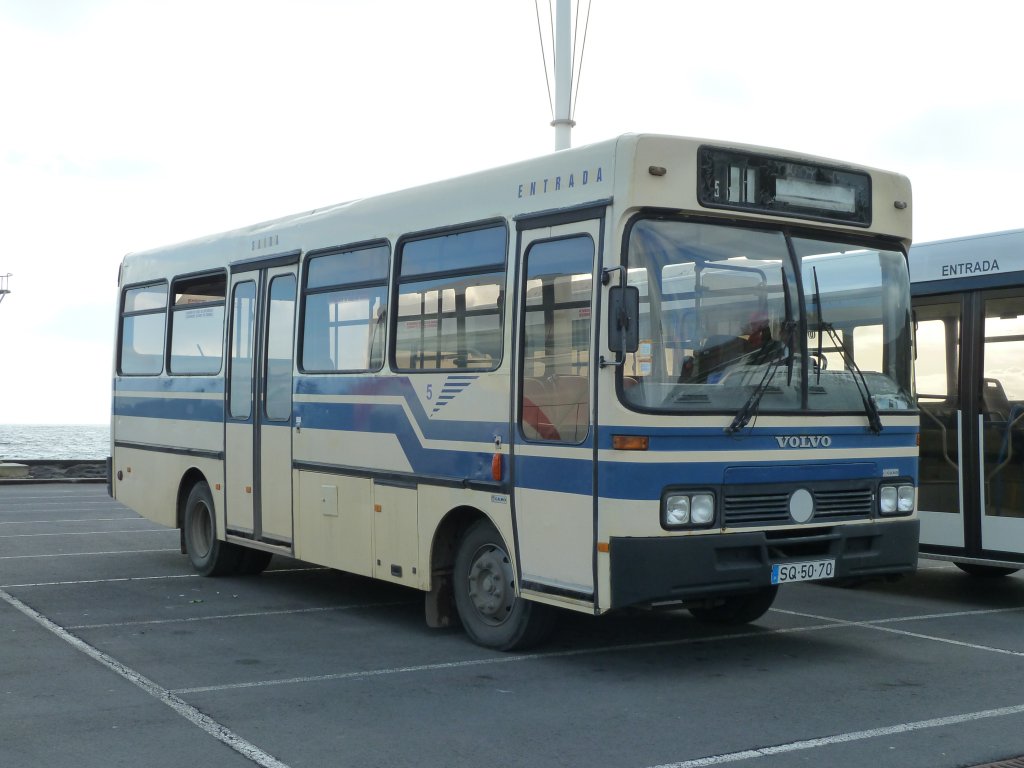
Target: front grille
x=745, y=506
x=755, y=509
x=845, y=503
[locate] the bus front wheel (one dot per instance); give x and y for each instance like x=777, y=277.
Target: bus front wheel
x=492, y=614
x=737, y=609
x=253, y=562
x=209, y=555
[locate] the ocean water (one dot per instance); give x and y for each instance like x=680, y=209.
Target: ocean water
x=54, y=441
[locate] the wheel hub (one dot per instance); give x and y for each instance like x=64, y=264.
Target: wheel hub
x=202, y=529
x=492, y=584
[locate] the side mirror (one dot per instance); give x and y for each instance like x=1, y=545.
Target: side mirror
x=623, y=318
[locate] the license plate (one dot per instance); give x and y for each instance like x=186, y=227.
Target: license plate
x=812, y=570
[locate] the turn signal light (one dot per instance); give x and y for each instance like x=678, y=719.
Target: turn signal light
x=630, y=442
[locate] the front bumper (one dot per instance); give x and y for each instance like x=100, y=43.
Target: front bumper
x=645, y=570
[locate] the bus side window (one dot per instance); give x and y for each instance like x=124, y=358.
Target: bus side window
x=143, y=319
x=280, y=348
x=197, y=324
x=345, y=312
x=450, y=301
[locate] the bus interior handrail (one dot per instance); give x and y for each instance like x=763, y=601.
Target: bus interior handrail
x=945, y=434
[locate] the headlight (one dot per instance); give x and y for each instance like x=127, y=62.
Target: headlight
x=896, y=499
x=887, y=499
x=688, y=510
x=702, y=509
x=677, y=510
x=906, y=499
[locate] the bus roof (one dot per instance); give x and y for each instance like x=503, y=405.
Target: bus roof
x=960, y=263
x=620, y=171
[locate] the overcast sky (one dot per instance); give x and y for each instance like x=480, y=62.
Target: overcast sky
x=126, y=125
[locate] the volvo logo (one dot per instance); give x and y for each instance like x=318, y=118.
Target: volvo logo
x=804, y=441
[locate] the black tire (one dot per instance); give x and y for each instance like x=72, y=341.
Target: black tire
x=492, y=614
x=737, y=609
x=986, y=571
x=253, y=561
x=209, y=555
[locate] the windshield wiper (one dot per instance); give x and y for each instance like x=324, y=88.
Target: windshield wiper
x=870, y=409
x=746, y=413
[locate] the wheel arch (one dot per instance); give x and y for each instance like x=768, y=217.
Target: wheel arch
x=192, y=477
x=446, y=538
x=440, y=598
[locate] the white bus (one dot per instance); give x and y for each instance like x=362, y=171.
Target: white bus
x=651, y=371
x=969, y=315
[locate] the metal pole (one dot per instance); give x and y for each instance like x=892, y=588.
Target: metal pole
x=563, y=123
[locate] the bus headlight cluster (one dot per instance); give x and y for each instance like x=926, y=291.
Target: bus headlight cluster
x=688, y=510
x=896, y=499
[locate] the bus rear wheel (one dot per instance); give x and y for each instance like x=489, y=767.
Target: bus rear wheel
x=209, y=555
x=492, y=614
x=737, y=609
x=986, y=571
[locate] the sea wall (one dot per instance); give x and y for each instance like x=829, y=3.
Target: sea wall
x=61, y=470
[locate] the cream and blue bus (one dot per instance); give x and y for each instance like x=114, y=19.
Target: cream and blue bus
x=654, y=371
x=968, y=299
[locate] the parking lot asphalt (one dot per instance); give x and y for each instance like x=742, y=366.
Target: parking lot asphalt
x=112, y=652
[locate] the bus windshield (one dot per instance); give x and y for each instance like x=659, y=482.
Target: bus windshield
x=753, y=320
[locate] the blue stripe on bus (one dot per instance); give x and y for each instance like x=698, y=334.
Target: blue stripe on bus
x=373, y=389
x=184, y=409
x=376, y=416
x=624, y=480
x=190, y=384
x=640, y=482
x=620, y=475
x=551, y=474
x=765, y=439
x=390, y=419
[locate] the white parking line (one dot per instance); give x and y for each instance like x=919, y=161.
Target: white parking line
x=945, y=615
x=843, y=738
x=79, y=503
x=72, y=520
x=217, y=730
x=90, y=554
x=949, y=641
x=830, y=623
x=896, y=619
x=83, y=533
x=101, y=581
x=149, y=578
x=78, y=496
x=507, y=658
x=251, y=614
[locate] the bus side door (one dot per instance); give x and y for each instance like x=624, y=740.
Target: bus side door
x=941, y=487
x=553, y=455
x=258, y=417
x=971, y=396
